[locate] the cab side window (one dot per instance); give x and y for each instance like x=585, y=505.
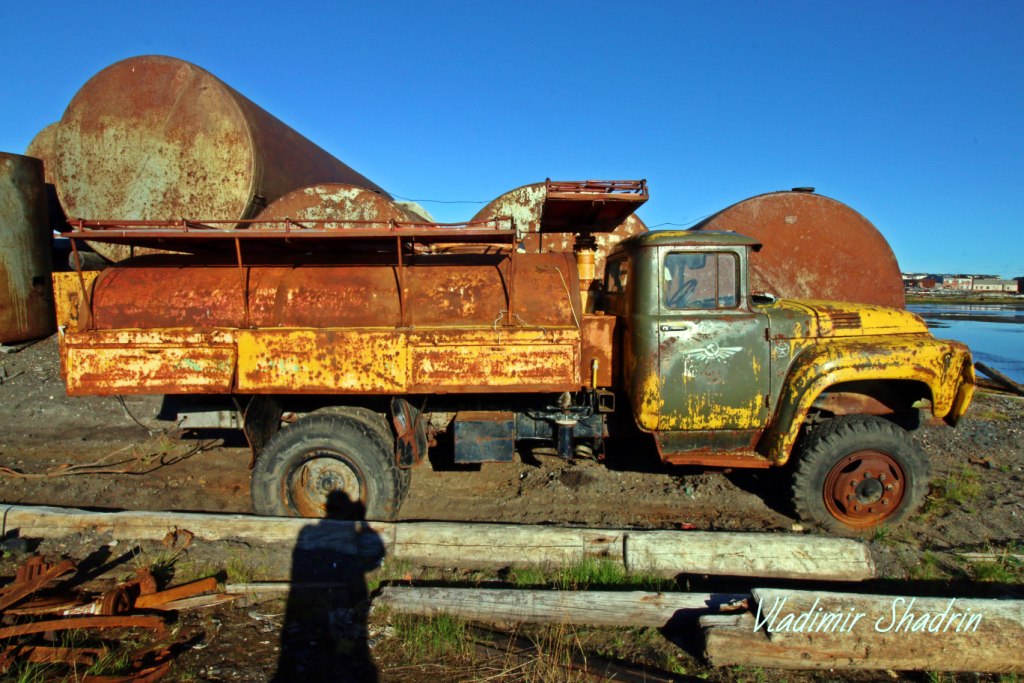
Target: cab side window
x=617, y=276
x=699, y=280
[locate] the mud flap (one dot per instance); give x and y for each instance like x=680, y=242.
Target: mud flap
x=411, y=437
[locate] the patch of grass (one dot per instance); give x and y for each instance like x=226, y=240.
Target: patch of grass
x=927, y=568
x=523, y=577
x=1005, y=568
x=590, y=572
x=597, y=573
x=113, y=663
x=31, y=673
x=749, y=674
x=988, y=414
x=883, y=534
x=240, y=570
x=431, y=638
x=959, y=488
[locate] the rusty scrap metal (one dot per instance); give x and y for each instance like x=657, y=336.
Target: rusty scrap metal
x=108, y=611
x=34, y=575
x=160, y=599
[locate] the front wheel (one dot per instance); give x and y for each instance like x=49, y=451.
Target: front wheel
x=855, y=473
x=327, y=466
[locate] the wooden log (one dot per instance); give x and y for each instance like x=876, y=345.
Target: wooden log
x=786, y=556
x=504, y=545
x=355, y=538
x=1001, y=379
x=823, y=630
x=455, y=544
x=590, y=608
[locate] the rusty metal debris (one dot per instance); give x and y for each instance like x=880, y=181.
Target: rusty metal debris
x=34, y=608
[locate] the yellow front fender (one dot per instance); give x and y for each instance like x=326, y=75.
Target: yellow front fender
x=944, y=367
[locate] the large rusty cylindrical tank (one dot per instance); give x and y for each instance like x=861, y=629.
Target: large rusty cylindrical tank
x=42, y=148
x=157, y=138
x=160, y=291
x=351, y=206
x=26, y=291
x=525, y=204
x=814, y=248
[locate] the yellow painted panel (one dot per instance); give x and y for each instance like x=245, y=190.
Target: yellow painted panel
x=322, y=361
x=480, y=367
x=106, y=370
x=67, y=296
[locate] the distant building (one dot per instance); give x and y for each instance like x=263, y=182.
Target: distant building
x=962, y=283
x=920, y=281
x=996, y=285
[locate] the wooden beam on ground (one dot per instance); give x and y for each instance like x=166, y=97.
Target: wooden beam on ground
x=789, y=629
x=588, y=608
x=783, y=556
x=1001, y=379
x=348, y=538
x=459, y=544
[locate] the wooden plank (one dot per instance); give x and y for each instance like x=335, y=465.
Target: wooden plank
x=344, y=537
x=489, y=545
x=787, y=556
x=591, y=608
x=484, y=545
x=1001, y=379
x=825, y=630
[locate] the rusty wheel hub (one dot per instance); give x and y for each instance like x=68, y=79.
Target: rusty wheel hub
x=864, y=488
x=318, y=478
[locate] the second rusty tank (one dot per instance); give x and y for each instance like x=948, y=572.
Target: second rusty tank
x=349, y=205
x=152, y=137
x=42, y=148
x=814, y=248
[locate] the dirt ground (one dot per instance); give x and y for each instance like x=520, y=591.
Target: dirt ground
x=976, y=504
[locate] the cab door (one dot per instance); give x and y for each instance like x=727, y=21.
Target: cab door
x=713, y=351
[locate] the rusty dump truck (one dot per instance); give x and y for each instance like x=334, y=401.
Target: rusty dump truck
x=345, y=352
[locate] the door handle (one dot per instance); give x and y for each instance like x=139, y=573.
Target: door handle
x=675, y=328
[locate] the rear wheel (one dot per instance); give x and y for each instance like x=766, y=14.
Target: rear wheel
x=328, y=466
x=855, y=473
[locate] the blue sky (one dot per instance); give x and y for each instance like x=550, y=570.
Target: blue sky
x=910, y=112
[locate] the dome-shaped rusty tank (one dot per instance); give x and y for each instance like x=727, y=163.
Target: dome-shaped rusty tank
x=157, y=138
x=814, y=248
x=42, y=148
x=349, y=205
x=525, y=206
x=26, y=292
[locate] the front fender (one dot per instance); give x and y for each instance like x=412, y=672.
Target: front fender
x=943, y=366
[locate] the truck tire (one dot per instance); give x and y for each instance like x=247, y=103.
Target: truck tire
x=857, y=472
x=379, y=424
x=307, y=465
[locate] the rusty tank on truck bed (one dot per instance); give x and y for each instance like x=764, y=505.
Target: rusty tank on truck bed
x=345, y=350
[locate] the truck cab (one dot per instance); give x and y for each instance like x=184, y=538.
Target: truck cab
x=721, y=376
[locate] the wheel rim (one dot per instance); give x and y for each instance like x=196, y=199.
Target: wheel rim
x=865, y=488
x=310, y=486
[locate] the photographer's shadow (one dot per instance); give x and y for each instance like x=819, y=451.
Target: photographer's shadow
x=324, y=634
